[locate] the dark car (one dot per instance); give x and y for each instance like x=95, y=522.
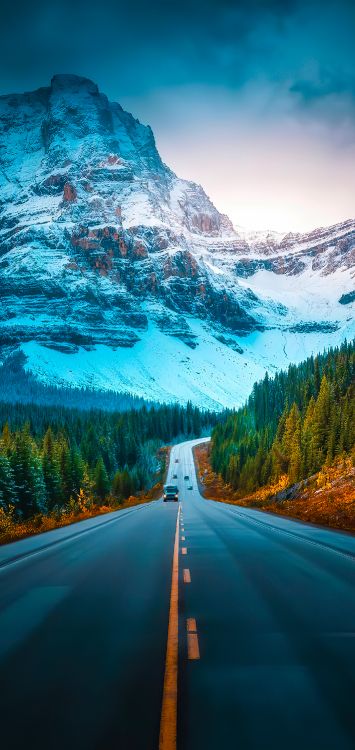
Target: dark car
x=186, y=476
x=171, y=492
x=174, y=476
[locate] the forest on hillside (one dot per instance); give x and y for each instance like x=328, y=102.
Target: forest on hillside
x=19, y=385
x=54, y=456
x=292, y=424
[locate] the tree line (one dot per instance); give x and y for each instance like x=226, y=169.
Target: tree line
x=18, y=385
x=292, y=424
x=52, y=456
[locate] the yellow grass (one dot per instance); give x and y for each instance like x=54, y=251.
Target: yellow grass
x=328, y=499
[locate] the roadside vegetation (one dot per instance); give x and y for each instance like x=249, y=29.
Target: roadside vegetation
x=291, y=447
x=58, y=465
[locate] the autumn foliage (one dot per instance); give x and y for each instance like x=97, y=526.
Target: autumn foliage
x=327, y=498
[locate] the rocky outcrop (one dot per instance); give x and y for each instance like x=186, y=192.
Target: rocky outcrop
x=323, y=251
x=347, y=299
x=69, y=192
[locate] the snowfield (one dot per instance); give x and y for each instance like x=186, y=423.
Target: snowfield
x=162, y=368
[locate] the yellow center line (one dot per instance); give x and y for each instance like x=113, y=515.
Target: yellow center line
x=168, y=719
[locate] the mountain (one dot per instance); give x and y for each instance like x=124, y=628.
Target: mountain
x=117, y=273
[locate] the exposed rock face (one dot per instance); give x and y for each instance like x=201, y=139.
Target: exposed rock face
x=323, y=251
x=99, y=240
x=69, y=193
x=346, y=299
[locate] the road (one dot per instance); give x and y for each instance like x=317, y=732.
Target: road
x=270, y=604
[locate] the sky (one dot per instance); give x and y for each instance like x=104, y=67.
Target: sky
x=254, y=99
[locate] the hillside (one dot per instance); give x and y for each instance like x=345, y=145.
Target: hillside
x=291, y=448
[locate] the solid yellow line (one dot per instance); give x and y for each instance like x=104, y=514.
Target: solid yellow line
x=168, y=719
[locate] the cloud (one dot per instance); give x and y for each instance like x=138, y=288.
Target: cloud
x=326, y=84
x=165, y=42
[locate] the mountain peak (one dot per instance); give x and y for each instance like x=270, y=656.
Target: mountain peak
x=72, y=82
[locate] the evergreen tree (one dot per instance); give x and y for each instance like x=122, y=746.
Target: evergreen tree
x=101, y=480
x=8, y=494
x=51, y=471
x=28, y=475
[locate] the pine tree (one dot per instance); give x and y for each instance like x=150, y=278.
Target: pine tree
x=127, y=487
x=321, y=423
x=51, y=471
x=101, y=480
x=116, y=488
x=291, y=443
x=6, y=439
x=308, y=458
x=28, y=475
x=7, y=484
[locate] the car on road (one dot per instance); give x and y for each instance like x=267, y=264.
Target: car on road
x=171, y=493
x=186, y=476
x=176, y=460
x=174, y=476
x=190, y=487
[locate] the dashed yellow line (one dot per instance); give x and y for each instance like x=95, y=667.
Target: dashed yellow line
x=168, y=719
x=191, y=625
x=193, y=649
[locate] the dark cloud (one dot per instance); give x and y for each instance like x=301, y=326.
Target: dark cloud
x=134, y=48
x=326, y=84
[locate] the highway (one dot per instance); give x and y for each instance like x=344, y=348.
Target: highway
x=265, y=628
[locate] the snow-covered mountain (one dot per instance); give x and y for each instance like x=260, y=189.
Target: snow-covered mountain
x=116, y=273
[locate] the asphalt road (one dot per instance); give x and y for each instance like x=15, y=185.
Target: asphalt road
x=84, y=619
